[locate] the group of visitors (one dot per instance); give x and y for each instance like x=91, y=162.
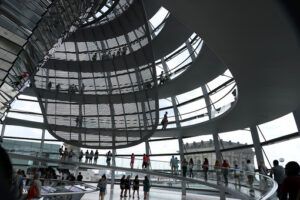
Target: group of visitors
x=110, y=54
x=45, y=173
x=185, y=165
x=72, y=89
x=127, y=183
x=65, y=175
x=12, y=181
x=145, y=164
x=219, y=170
x=174, y=165
x=19, y=79
x=65, y=154
x=90, y=156
x=288, y=179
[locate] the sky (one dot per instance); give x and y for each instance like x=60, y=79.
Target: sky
x=289, y=150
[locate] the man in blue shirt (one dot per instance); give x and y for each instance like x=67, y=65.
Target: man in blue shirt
x=173, y=164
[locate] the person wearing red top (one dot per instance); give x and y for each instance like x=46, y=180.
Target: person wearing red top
x=132, y=161
x=225, y=167
x=148, y=160
x=290, y=188
x=145, y=163
x=24, y=75
x=19, y=78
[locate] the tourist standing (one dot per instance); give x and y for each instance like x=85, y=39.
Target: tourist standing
x=49, y=85
x=176, y=165
x=146, y=184
x=279, y=175
x=184, y=165
x=132, y=160
x=80, y=156
x=91, y=157
x=250, y=170
x=57, y=87
x=225, y=167
x=61, y=150
x=161, y=78
x=237, y=173
x=70, y=157
x=18, y=183
x=108, y=158
x=87, y=156
x=191, y=165
x=145, y=163
x=122, y=185
x=164, y=121
x=136, y=186
x=96, y=157
x=79, y=177
x=172, y=164
x=205, y=168
x=66, y=154
x=102, y=186
x=127, y=186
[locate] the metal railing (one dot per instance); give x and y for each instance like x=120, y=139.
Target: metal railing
x=251, y=185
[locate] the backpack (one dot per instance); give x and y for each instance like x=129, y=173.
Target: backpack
x=31, y=192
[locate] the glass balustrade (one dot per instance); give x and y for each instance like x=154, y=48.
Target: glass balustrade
x=250, y=184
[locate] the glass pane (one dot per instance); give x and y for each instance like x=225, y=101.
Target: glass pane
x=278, y=127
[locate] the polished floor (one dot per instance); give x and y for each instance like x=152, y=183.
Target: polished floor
x=154, y=194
